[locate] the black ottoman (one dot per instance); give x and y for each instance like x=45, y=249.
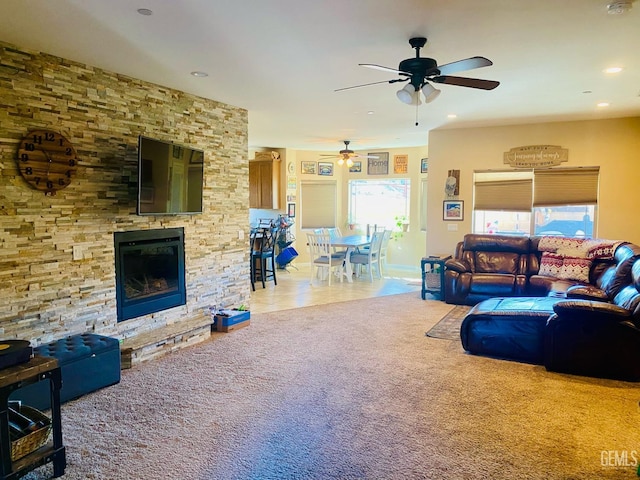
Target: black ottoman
x=511, y=328
x=87, y=363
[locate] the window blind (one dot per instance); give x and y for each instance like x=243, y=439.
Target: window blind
x=318, y=205
x=505, y=195
x=565, y=186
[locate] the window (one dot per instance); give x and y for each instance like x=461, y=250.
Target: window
x=379, y=202
x=560, y=201
x=502, y=202
x=568, y=221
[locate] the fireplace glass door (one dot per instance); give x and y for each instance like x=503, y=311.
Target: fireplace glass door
x=149, y=271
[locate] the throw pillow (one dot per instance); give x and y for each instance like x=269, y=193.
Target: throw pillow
x=550, y=264
x=575, y=268
x=572, y=252
x=601, y=249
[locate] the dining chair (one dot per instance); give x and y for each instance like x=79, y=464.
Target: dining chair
x=334, y=232
x=370, y=230
x=263, y=261
x=320, y=253
x=374, y=228
x=384, y=246
x=370, y=258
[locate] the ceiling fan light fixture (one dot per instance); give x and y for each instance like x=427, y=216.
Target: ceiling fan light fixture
x=619, y=7
x=407, y=94
x=341, y=161
x=430, y=93
x=349, y=163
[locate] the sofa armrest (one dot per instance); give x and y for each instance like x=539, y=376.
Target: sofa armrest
x=587, y=292
x=587, y=309
x=457, y=265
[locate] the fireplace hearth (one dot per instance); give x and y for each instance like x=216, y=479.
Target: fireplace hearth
x=150, y=273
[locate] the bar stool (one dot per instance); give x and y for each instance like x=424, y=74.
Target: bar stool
x=263, y=264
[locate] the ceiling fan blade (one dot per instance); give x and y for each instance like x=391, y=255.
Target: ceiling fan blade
x=384, y=69
x=367, y=156
x=466, y=82
x=374, y=83
x=462, y=65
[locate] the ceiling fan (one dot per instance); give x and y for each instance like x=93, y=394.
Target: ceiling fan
x=346, y=155
x=419, y=71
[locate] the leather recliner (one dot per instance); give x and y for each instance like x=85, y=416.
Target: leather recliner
x=597, y=339
x=487, y=266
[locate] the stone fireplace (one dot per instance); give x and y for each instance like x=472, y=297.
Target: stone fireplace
x=150, y=271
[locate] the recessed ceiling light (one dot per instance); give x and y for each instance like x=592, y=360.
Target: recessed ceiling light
x=200, y=74
x=452, y=115
x=370, y=112
x=603, y=104
x=145, y=11
x=612, y=70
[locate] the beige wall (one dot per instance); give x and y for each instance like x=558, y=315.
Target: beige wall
x=613, y=145
x=57, y=266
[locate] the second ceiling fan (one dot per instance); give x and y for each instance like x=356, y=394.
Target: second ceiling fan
x=346, y=155
x=420, y=71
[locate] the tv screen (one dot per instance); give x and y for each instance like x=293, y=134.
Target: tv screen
x=169, y=178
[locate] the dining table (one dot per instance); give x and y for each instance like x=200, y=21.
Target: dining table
x=350, y=242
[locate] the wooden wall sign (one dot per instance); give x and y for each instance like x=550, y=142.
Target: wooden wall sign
x=536, y=156
x=401, y=164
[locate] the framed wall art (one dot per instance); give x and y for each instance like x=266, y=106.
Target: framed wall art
x=453, y=210
x=401, y=164
x=325, y=168
x=309, y=168
x=378, y=166
x=424, y=165
x=356, y=167
x=291, y=210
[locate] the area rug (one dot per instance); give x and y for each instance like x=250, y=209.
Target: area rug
x=449, y=327
x=351, y=390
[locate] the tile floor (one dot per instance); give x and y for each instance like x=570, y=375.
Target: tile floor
x=294, y=289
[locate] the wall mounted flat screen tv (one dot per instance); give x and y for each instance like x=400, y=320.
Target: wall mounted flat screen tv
x=170, y=178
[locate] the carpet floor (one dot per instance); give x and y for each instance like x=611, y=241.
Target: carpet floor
x=352, y=390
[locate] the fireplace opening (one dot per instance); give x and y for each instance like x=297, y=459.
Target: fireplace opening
x=150, y=273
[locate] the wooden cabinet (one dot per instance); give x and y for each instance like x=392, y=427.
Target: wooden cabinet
x=264, y=184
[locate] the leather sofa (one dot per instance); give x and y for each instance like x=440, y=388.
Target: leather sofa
x=575, y=326
x=488, y=266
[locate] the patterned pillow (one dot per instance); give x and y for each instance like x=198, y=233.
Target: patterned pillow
x=550, y=264
x=553, y=243
x=601, y=249
x=574, y=268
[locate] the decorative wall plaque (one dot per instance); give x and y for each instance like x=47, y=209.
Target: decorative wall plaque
x=379, y=165
x=400, y=164
x=536, y=156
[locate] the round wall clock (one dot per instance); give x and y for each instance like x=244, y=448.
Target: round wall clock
x=291, y=168
x=47, y=160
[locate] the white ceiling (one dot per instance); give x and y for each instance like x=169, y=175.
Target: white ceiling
x=283, y=59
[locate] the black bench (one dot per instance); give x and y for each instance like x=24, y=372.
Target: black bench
x=87, y=363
